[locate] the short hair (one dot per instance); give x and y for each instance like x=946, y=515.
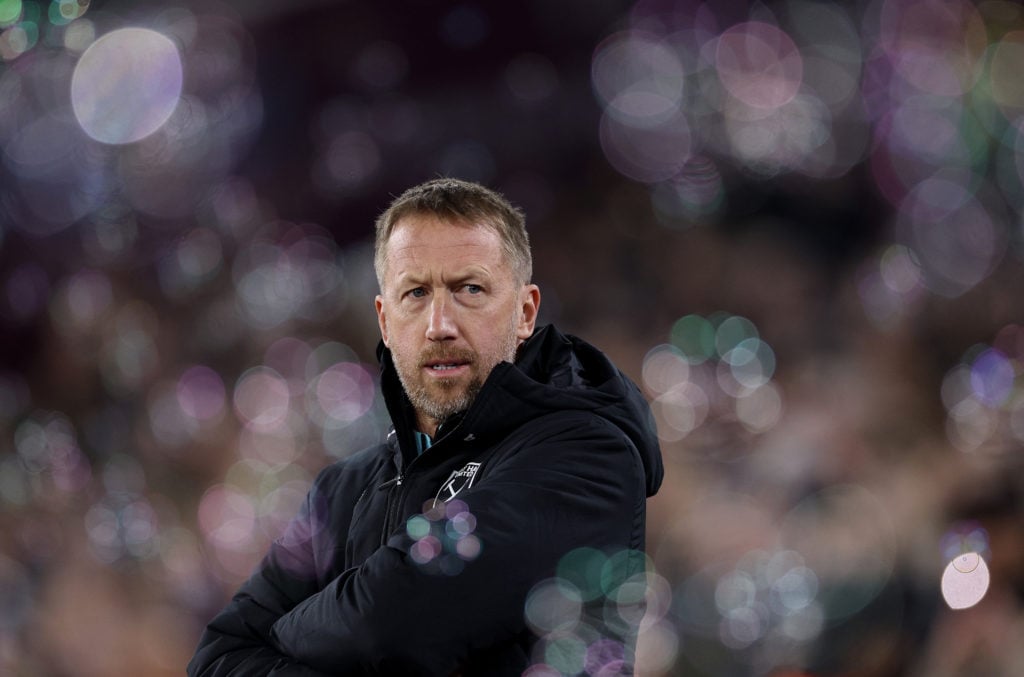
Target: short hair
x=462, y=202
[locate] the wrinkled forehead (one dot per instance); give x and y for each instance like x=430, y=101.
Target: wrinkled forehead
x=429, y=242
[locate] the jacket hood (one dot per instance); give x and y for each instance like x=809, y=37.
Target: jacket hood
x=552, y=371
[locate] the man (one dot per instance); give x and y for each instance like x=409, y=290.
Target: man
x=511, y=448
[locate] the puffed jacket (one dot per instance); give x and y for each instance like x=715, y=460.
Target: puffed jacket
x=407, y=563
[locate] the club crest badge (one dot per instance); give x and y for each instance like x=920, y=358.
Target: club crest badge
x=457, y=481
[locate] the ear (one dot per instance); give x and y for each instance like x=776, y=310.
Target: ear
x=382, y=320
x=529, y=304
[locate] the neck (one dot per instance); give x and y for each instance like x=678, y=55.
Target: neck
x=426, y=424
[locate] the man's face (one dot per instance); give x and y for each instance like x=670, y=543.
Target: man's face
x=450, y=310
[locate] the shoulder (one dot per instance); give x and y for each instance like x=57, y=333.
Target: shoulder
x=579, y=442
x=353, y=471
x=572, y=425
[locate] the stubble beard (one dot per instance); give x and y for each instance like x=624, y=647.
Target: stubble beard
x=440, y=398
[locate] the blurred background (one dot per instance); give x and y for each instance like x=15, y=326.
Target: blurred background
x=796, y=224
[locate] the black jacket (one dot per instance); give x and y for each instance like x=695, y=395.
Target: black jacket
x=557, y=452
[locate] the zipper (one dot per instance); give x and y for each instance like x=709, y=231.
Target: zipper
x=393, y=505
x=396, y=490
x=368, y=487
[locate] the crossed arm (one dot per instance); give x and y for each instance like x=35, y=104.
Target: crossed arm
x=390, y=616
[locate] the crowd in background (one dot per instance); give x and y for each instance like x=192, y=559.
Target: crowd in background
x=796, y=225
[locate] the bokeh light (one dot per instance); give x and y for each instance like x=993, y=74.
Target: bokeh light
x=126, y=85
x=10, y=11
x=716, y=368
x=589, y=616
x=442, y=537
x=956, y=241
x=844, y=534
x=262, y=399
x=965, y=580
x=640, y=79
x=796, y=225
x=759, y=64
x=343, y=392
x=201, y=393
x=983, y=394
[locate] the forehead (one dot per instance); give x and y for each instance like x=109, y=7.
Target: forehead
x=426, y=238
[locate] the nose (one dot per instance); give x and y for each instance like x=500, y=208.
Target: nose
x=441, y=325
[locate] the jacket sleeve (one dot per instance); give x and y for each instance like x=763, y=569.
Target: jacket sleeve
x=237, y=641
x=582, y=486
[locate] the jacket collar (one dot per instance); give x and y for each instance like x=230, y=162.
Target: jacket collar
x=552, y=372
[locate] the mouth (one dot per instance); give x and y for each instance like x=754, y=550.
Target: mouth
x=442, y=367
x=446, y=367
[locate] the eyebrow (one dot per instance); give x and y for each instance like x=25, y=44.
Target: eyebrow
x=415, y=277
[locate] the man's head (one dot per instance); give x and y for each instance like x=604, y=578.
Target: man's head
x=458, y=201
x=453, y=262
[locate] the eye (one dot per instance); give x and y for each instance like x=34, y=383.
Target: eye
x=417, y=293
x=474, y=288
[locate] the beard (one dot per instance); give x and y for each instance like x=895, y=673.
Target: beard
x=439, y=398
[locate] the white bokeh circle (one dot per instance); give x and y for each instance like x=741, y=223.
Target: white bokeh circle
x=965, y=580
x=126, y=85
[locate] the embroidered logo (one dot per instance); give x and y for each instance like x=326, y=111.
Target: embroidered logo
x=457, y=481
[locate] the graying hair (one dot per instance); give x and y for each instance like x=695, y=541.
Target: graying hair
x=464, y=202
